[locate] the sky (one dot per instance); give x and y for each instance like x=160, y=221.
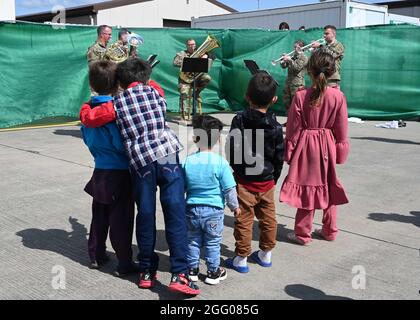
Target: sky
x=32, y=6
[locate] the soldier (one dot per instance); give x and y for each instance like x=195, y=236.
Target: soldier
x=200, y=83
x=336, y=49
x=96, y=52
x=296, y=66
x=119, y=50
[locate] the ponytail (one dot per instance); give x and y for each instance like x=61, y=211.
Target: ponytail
x=320, y=85
x=321, y=66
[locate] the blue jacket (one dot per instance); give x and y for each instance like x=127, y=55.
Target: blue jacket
x=105, y=143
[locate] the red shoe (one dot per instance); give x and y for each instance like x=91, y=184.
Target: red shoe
x=180, y=283
x=320, y=234
x=147, y=280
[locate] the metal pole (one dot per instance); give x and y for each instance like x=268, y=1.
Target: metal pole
x=193, y=97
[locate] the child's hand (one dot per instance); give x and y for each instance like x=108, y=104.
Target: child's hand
x=237, y=212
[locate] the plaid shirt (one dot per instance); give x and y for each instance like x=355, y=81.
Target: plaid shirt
x=140, y=114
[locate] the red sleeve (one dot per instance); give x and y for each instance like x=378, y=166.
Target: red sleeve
x=156, y=85
x=294, y=127
x=340, y=129
x=97, y=116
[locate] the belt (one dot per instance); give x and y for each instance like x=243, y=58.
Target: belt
x=323, y=133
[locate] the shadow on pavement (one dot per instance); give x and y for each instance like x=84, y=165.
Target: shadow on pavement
x=413, y=219
x=73, y=245
x=76, y=133
x=303, y=292
x=387, y=140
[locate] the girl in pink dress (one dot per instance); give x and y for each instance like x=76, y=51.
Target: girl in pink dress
x=316, y=140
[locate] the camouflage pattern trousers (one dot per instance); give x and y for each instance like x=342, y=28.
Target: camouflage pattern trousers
x=184, y=90
x=289, y=92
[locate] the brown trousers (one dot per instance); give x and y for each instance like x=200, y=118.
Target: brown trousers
x=260, y=205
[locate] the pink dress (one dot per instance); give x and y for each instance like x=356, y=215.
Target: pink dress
x=316, y=139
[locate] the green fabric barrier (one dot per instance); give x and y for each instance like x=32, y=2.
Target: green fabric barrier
x=44, y=70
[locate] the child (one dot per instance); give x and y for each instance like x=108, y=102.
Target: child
x=110, y=185
x=260, y=139
x=153, y=152
x=296, y=66
x=209, y=181
x=316, y=139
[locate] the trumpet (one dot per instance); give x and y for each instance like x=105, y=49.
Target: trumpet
x=308, y=47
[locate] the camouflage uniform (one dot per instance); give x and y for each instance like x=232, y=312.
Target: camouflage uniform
x=336, y=49
x=295, y=77
x=183, y=87
x=96, y=52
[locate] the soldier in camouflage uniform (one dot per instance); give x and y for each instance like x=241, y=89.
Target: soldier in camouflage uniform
x=96, y=52
x=296, y=67
x=183, y=87
x=336, y=49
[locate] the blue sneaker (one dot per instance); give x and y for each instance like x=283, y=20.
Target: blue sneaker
x=229, y=264
x=256, y=258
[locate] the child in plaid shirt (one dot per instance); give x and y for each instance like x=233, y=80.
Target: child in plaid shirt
x=153, y=152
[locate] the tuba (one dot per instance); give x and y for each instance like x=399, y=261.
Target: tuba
x=208, y=45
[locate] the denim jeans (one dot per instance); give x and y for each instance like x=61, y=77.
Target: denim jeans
x=205, y=227
x=169, y=178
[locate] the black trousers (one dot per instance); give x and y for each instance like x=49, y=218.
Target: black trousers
x=113, y=211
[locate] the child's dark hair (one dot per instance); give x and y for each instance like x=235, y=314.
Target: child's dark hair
x=103, y=77
x=261, y=89
x=321, y=66
x=208, y=124
x=133, y=70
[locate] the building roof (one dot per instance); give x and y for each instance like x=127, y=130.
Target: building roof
x=95, y=7
x=401, y=4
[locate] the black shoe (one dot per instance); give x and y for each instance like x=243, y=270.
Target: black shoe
x=401, y=124
x=216, y=277
x=123, y=272
x=193, y=274
x=96, y=264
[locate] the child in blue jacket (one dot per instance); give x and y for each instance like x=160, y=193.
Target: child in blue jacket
x=110, y=185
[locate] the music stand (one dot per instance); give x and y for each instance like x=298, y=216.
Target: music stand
x=254, y=68
x=195, y=66
x=152, y=60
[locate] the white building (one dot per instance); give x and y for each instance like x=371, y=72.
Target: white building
x=341, y=13
x=407, y=7
x=137, y=13
x=7, y=10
